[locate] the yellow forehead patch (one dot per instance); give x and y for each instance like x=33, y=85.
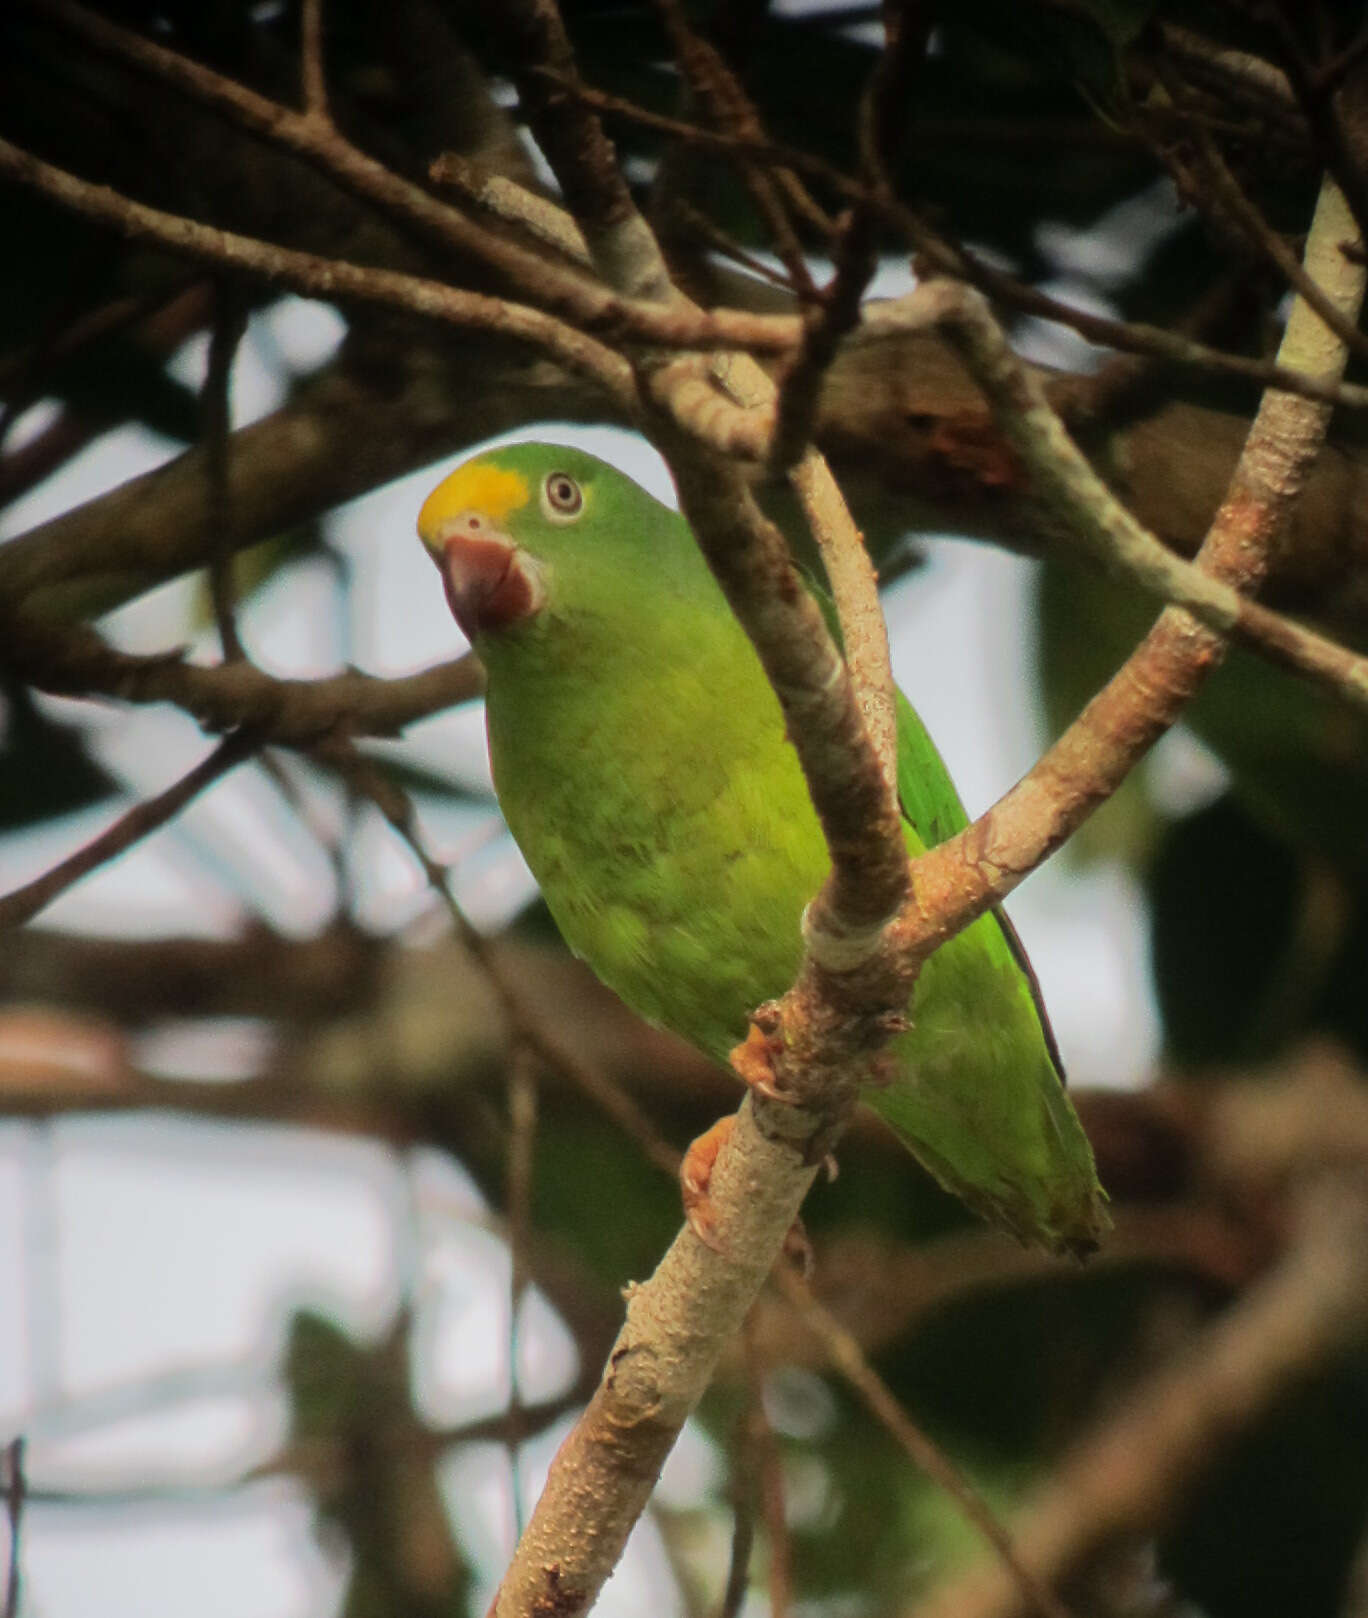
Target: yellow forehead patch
x=480, y=486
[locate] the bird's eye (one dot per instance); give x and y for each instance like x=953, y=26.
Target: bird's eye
x=562, y=497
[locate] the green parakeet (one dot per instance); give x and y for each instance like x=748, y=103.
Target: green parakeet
x=640, y=759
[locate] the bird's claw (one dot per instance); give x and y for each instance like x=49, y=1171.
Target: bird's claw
x=695, y=1174
x=753, y=1059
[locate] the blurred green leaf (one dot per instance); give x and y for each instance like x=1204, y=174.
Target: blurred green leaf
x=595, y=1188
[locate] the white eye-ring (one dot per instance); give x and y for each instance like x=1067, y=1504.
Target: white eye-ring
x=562, y=499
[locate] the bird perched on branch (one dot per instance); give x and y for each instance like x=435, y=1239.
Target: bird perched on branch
x=640, y=758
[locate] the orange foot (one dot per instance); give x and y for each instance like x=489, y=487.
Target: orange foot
x=695, y=1175
x=753, y=1059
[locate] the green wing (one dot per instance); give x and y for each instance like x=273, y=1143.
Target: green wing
x=926, y=793
x=975, y=1088
x=932, y=807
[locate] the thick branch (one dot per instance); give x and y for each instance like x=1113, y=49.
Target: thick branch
x=342, y=435
x=678, y=1322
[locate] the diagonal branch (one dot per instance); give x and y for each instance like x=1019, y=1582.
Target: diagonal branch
x=340, y=436
x=317, y=277
x=631, y=308
x=940, y=256
x=961, y=878
x=1076, y=499
x=678, y=1322
x=1131, y=1476
x=22, y=904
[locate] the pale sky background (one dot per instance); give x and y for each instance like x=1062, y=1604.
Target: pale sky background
x=139, y=1252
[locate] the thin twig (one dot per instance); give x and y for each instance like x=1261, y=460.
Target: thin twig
x=1329, y=74
x=15, y=1494
x=684, y=217
x=766, y=1469
x=22, y=904
x=837, y=313
x=312, y=71
x=23, y=369
x=727, y=105
x=1323, y=113
x=528, y=1026
x=924, y=1453
x=887, y=102
x=1134, y=337
x=522, y=1145
x=881, y=118
x=742, y=1490
x=722, y=93
x=327, y=278
x=230, y=323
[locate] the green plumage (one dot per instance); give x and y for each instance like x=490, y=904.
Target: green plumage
x=640, y=759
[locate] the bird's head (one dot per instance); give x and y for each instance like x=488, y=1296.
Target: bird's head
x=537, y=533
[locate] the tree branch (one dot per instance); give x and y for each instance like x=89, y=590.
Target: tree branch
x=940, y=256
x=75, y=661
x=678, y=1322
x=591, y=306
x=962, y=877
x=318, y=277
x=1075, y=499
x=1132, y=1475
x=22, y=904
x=313, y=76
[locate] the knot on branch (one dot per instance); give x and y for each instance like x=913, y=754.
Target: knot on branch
x=810, y=1054
x=838, y=946
x=688, y=394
